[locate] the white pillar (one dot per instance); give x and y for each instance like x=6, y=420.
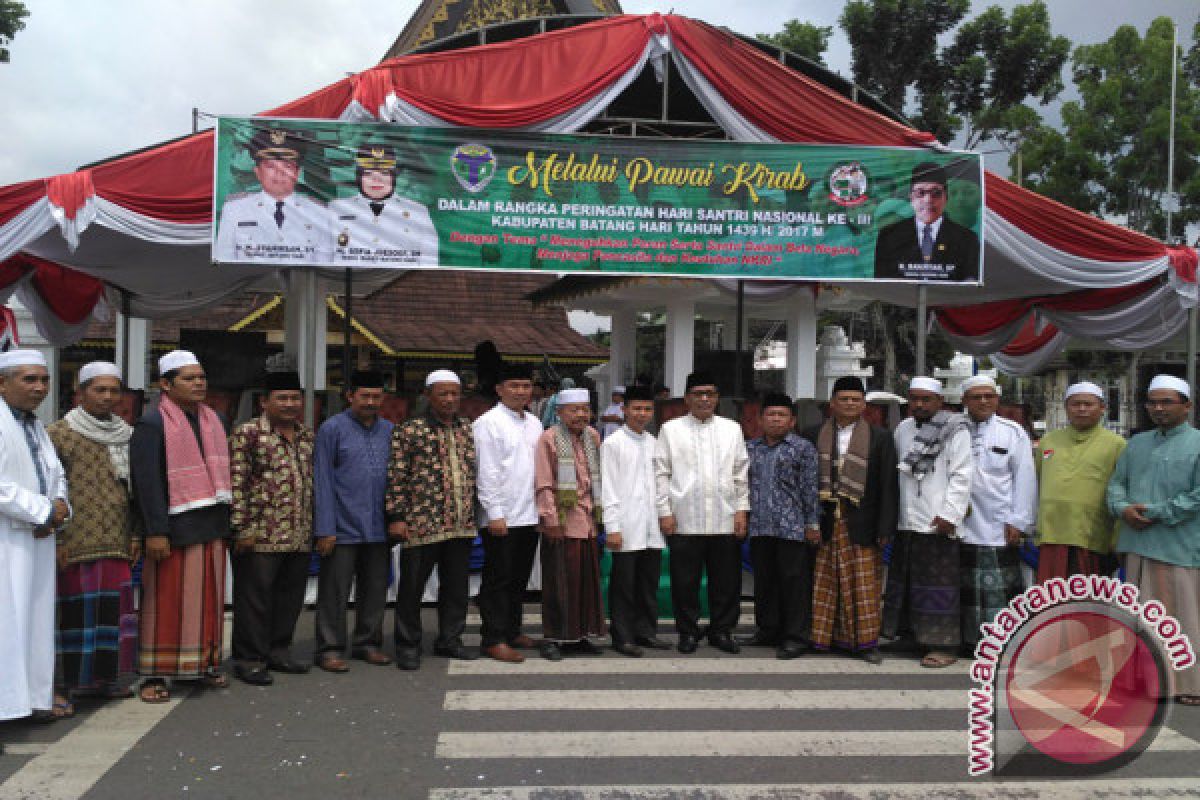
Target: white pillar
x=801, y=373
x=680, y=344
x=31, y=339
x=622, y=348
x=304, y=314
x=139, y=348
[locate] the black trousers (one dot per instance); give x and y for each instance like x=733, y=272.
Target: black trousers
x=783, y=587
x=452, y=559
x=365, y=568
x=720, y=555
x=633, y=595
x=507, y=562
x=268, y=596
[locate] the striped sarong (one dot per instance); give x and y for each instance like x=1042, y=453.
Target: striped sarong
x=1065, y=560
x=96, y=639
x=572, y=604
x=846, y=594
x=183, y=612
x=991, y=577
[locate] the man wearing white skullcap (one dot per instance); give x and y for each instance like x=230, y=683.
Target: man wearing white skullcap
x=1075, y=531
x=430, y=510
x=96, y=548
x=613, y=416
x=34, y=491
x=921, y=601
x=1003, y=499
x=567, y=488
x=179, y=462
x=1155, y=491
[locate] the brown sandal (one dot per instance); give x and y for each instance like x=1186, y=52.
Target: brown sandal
x=154, y=692
x=214, y=680
x=936, y=660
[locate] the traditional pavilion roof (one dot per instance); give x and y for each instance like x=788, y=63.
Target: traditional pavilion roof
x=435, y=20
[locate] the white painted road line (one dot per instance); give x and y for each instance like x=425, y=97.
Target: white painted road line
x=726, y=744
x=26, y=748
x=67, y=769
x=983, y=789
x=810, y=665
x=705, y=699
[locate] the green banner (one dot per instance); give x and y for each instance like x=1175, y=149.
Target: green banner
x=314, y=192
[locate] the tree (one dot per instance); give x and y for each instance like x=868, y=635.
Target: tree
x=801, y=38
x=1111, y=156
x=12, y=20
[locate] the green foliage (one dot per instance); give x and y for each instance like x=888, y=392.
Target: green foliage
x=12, y=20
x=801, y=38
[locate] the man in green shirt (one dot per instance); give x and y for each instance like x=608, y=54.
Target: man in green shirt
x=1075, y=531
x=1155, y=491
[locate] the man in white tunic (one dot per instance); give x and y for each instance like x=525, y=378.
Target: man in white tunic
x=33, y=504
x=505, y=440
x=377, y=227
x=702, y=474
x=921, y=600
x=631, y=526
x=1003, y=503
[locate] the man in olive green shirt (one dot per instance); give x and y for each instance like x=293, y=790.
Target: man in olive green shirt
x=1075, y=531
x=1155, y=490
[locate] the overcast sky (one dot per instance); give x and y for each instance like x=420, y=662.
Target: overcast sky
x=91, y=79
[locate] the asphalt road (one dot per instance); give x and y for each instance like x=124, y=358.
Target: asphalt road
x=665, y=727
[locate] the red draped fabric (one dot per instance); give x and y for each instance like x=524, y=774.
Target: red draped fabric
x=70, y=191
x=69, y=294
x=983, y=318
x=19, y=196
x=1029, y=339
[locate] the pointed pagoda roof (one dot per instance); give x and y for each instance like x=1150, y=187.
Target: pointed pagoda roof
x=435, y=20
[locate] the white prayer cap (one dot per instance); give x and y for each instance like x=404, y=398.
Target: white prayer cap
x=975, y=381
x=618, y=390
x=1084, y=387
x=1169, y=382
x=573, y=396
x=22, y=358
x=441, y=376
x=177, y=359
x=924, y=384
x=98, y=369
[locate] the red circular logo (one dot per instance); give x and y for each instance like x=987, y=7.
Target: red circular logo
x=1085, y=688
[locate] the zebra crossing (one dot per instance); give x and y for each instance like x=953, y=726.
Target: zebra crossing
x=750, y=727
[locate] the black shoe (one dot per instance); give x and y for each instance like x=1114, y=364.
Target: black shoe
x=255, y=676
x=583, y=647
x=687, y=644
x=550, y=651
x=900, y=645
x=455, y=651
x=872, y=656
x=289, y=666
x=627, y=649
x=759, y=639
x=408, y=660
x=652, y=642
x=790, y=650
x=725, y=643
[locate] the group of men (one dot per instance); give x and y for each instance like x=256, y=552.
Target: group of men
x=279, y=225
x=949, y=494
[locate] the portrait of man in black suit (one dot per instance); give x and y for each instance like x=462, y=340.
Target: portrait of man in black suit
x=929, y=246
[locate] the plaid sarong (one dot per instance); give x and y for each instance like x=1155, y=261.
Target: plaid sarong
x=846, y=594
x=183, y=612
x=96, y=637
x=991, y=576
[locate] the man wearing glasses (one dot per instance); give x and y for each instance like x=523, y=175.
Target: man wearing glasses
x=929, y=246
x=1155, y=493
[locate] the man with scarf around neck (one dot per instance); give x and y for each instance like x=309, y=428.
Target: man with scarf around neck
x=272, y=473
x=97, y=616
x=179, y=462
x=783, y=506
x=567, y=486
x=859, y=493
x=33, y=503
x=701, y=472
x=921, y=600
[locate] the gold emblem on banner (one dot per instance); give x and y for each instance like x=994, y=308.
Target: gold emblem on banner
x=278, y=137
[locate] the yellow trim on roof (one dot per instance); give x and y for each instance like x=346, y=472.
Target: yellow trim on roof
x=256, y=314
x=363, y=330
x=438, y=354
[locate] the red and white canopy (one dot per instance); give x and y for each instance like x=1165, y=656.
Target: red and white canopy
x=142, y=222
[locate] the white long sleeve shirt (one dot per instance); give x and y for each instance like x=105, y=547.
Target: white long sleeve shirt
x=627, y=489
x=701, y=471
x=944, y=492
x=1004, y=484
x=504, y=445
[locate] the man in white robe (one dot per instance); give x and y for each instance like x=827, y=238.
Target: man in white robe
x=33, y=504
